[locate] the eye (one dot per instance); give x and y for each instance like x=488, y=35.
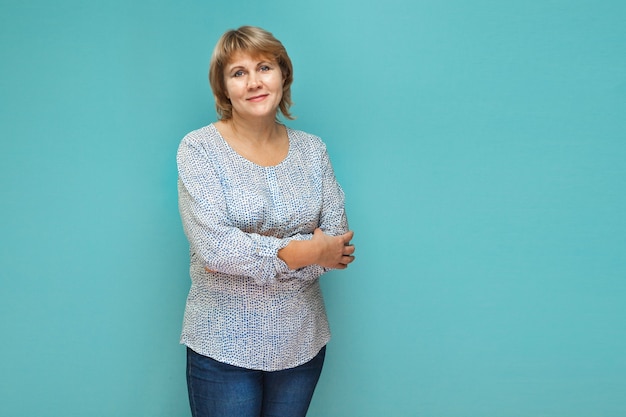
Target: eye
x=265, y=68
x=238, y=73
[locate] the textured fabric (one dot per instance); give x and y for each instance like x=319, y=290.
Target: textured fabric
x=251, y=310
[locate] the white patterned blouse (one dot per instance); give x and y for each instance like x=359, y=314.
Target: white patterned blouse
x=252, y=311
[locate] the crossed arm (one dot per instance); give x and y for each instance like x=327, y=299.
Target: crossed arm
x=334, y=252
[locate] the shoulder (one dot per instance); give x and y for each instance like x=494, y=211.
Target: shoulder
x=203, y=136
x=199, y=141
x=199, y=150
x=306, y=141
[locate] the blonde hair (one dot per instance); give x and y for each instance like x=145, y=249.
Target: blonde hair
x=257, y=42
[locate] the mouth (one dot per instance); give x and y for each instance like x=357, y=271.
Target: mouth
x=257, y=98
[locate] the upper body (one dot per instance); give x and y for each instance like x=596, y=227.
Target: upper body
x=263, y=214
x=249, y=308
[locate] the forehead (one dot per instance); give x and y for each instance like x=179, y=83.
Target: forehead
x=248, y=57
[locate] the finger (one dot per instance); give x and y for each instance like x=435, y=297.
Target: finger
x=348, y=250
x=347, y=259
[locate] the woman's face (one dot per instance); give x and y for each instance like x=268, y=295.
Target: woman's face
x=254, y=85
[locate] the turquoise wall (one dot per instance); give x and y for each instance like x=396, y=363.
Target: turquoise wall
x=482, y=147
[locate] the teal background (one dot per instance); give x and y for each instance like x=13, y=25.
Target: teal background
x=482, y=149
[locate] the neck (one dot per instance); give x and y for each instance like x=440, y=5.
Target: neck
x=261, y=130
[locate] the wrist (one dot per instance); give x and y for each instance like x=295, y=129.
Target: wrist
x=299, y=253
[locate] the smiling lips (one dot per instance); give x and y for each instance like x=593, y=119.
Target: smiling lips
x=257, y=98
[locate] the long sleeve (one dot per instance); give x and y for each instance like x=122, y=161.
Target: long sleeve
x=212, y=236
x=333, y=220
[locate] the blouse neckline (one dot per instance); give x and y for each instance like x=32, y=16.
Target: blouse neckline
x=237, y=155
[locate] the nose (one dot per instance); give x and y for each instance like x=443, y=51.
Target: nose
x=254, y=81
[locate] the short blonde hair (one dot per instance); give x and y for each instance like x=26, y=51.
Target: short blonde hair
x=254, y=41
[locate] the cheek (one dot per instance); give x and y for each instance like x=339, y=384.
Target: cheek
x=279, y=83
x=230, y=88
x=233, y=84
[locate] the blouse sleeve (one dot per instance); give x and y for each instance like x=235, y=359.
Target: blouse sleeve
x=222, y=247
x=333, y=220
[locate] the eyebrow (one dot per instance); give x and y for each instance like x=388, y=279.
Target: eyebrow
x=234, y=66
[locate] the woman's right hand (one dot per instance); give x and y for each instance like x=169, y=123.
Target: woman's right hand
x=334, y=252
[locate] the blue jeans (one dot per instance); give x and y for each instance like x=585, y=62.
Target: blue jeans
x=217, y=389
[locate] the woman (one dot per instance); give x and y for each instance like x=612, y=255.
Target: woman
x=265, y=218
